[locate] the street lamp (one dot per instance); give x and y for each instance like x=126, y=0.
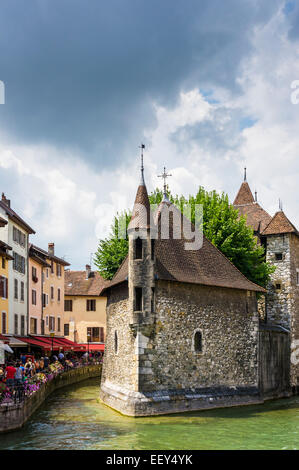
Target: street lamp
x=88, y=340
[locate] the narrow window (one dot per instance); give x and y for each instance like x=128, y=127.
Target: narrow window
x=3, y=263
x=153, y=248
x=138, y=248
x=58, y=294
x=297, y=277
x=16, y=289
x=197, y=342
x=138, y=299
x=16, y=324
x=22, y=291
x=52, y=293
x=66, y=329
x=3, y=322
x=58, y=323
x=115, y=342
x=22, y=325
x=153, y=300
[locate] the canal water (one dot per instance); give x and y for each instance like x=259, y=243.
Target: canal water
x=73, y=418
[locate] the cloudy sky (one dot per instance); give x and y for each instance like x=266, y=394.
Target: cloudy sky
x=205, y=84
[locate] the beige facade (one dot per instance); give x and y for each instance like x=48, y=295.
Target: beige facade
x=84, y=310
x=79, y=322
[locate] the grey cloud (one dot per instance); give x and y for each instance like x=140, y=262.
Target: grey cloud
x=82, y=75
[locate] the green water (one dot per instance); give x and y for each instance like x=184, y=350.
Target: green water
x=72, y=418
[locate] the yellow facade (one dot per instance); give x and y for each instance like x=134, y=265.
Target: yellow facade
x=4, y=298
x=79, y=320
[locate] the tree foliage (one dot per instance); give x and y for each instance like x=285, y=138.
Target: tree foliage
x=221, y=224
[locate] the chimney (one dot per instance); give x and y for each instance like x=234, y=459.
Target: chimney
x=51, y=248
x=6, y=201
x=88, y=271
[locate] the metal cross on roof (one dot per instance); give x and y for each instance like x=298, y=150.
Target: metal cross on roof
x=164, y=176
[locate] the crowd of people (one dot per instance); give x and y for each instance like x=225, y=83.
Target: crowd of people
x=26, y=366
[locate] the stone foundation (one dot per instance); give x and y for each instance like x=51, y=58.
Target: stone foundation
x=136, y=404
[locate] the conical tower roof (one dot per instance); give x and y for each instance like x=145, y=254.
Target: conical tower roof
x=280, y=224
x=244, y=195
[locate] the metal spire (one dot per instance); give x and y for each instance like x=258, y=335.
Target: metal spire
x=142, y=183
x=245, y=176
x=280, y=204
x=255, y=194
x=165, y=176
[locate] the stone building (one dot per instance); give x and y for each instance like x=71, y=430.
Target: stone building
x=182, y=326
x=84, y=308
x=281, y=241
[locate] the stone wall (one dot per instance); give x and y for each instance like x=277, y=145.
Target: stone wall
x=14, y=416
x=279, y=301
x=156, y=369
x=228, y=322
x=120, y=367
x=282, y=306
x=294, y=244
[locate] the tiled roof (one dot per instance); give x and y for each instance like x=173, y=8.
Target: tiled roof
x=75, y=283
x=36, y=255
x=257, y=217
x=280, y=224
x=207, y=266
x=51, y=257
x=141, y=215
x=244, y=195
x=15, y=217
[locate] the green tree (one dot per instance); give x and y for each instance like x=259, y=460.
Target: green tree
x=221, y=225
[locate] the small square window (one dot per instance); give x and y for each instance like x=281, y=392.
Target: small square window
x=278, y=286
x=278, y=256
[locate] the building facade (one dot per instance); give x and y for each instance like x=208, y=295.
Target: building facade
x=281, y=241
x=53, y=292
x=182, y=326
x=84, y=310
x=5, y=258
x=37, y=267
x=16, y=234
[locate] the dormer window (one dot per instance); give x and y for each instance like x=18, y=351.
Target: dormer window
x=138, y=248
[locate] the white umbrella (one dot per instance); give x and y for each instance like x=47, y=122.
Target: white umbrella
x=6, y=348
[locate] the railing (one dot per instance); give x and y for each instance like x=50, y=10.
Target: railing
x=19, y=390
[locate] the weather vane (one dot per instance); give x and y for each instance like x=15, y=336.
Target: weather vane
x=142, y=147
x=164, y=176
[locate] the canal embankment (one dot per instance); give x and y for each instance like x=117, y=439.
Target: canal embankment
x=14, y=415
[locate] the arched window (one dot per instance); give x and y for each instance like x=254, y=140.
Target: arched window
x=138, y=248
x=115, y=342
x=197, y=342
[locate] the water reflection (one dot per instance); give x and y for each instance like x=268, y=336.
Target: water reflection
x=73, y=418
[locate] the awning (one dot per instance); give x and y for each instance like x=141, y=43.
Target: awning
x=33, y=341
x=60, y=343
x=93, y=347
x=16, y=343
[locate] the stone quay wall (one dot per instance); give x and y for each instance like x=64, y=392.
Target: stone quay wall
x=156, y=370
x=14, y=416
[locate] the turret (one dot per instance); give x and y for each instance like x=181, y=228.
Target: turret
x=141, y=257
